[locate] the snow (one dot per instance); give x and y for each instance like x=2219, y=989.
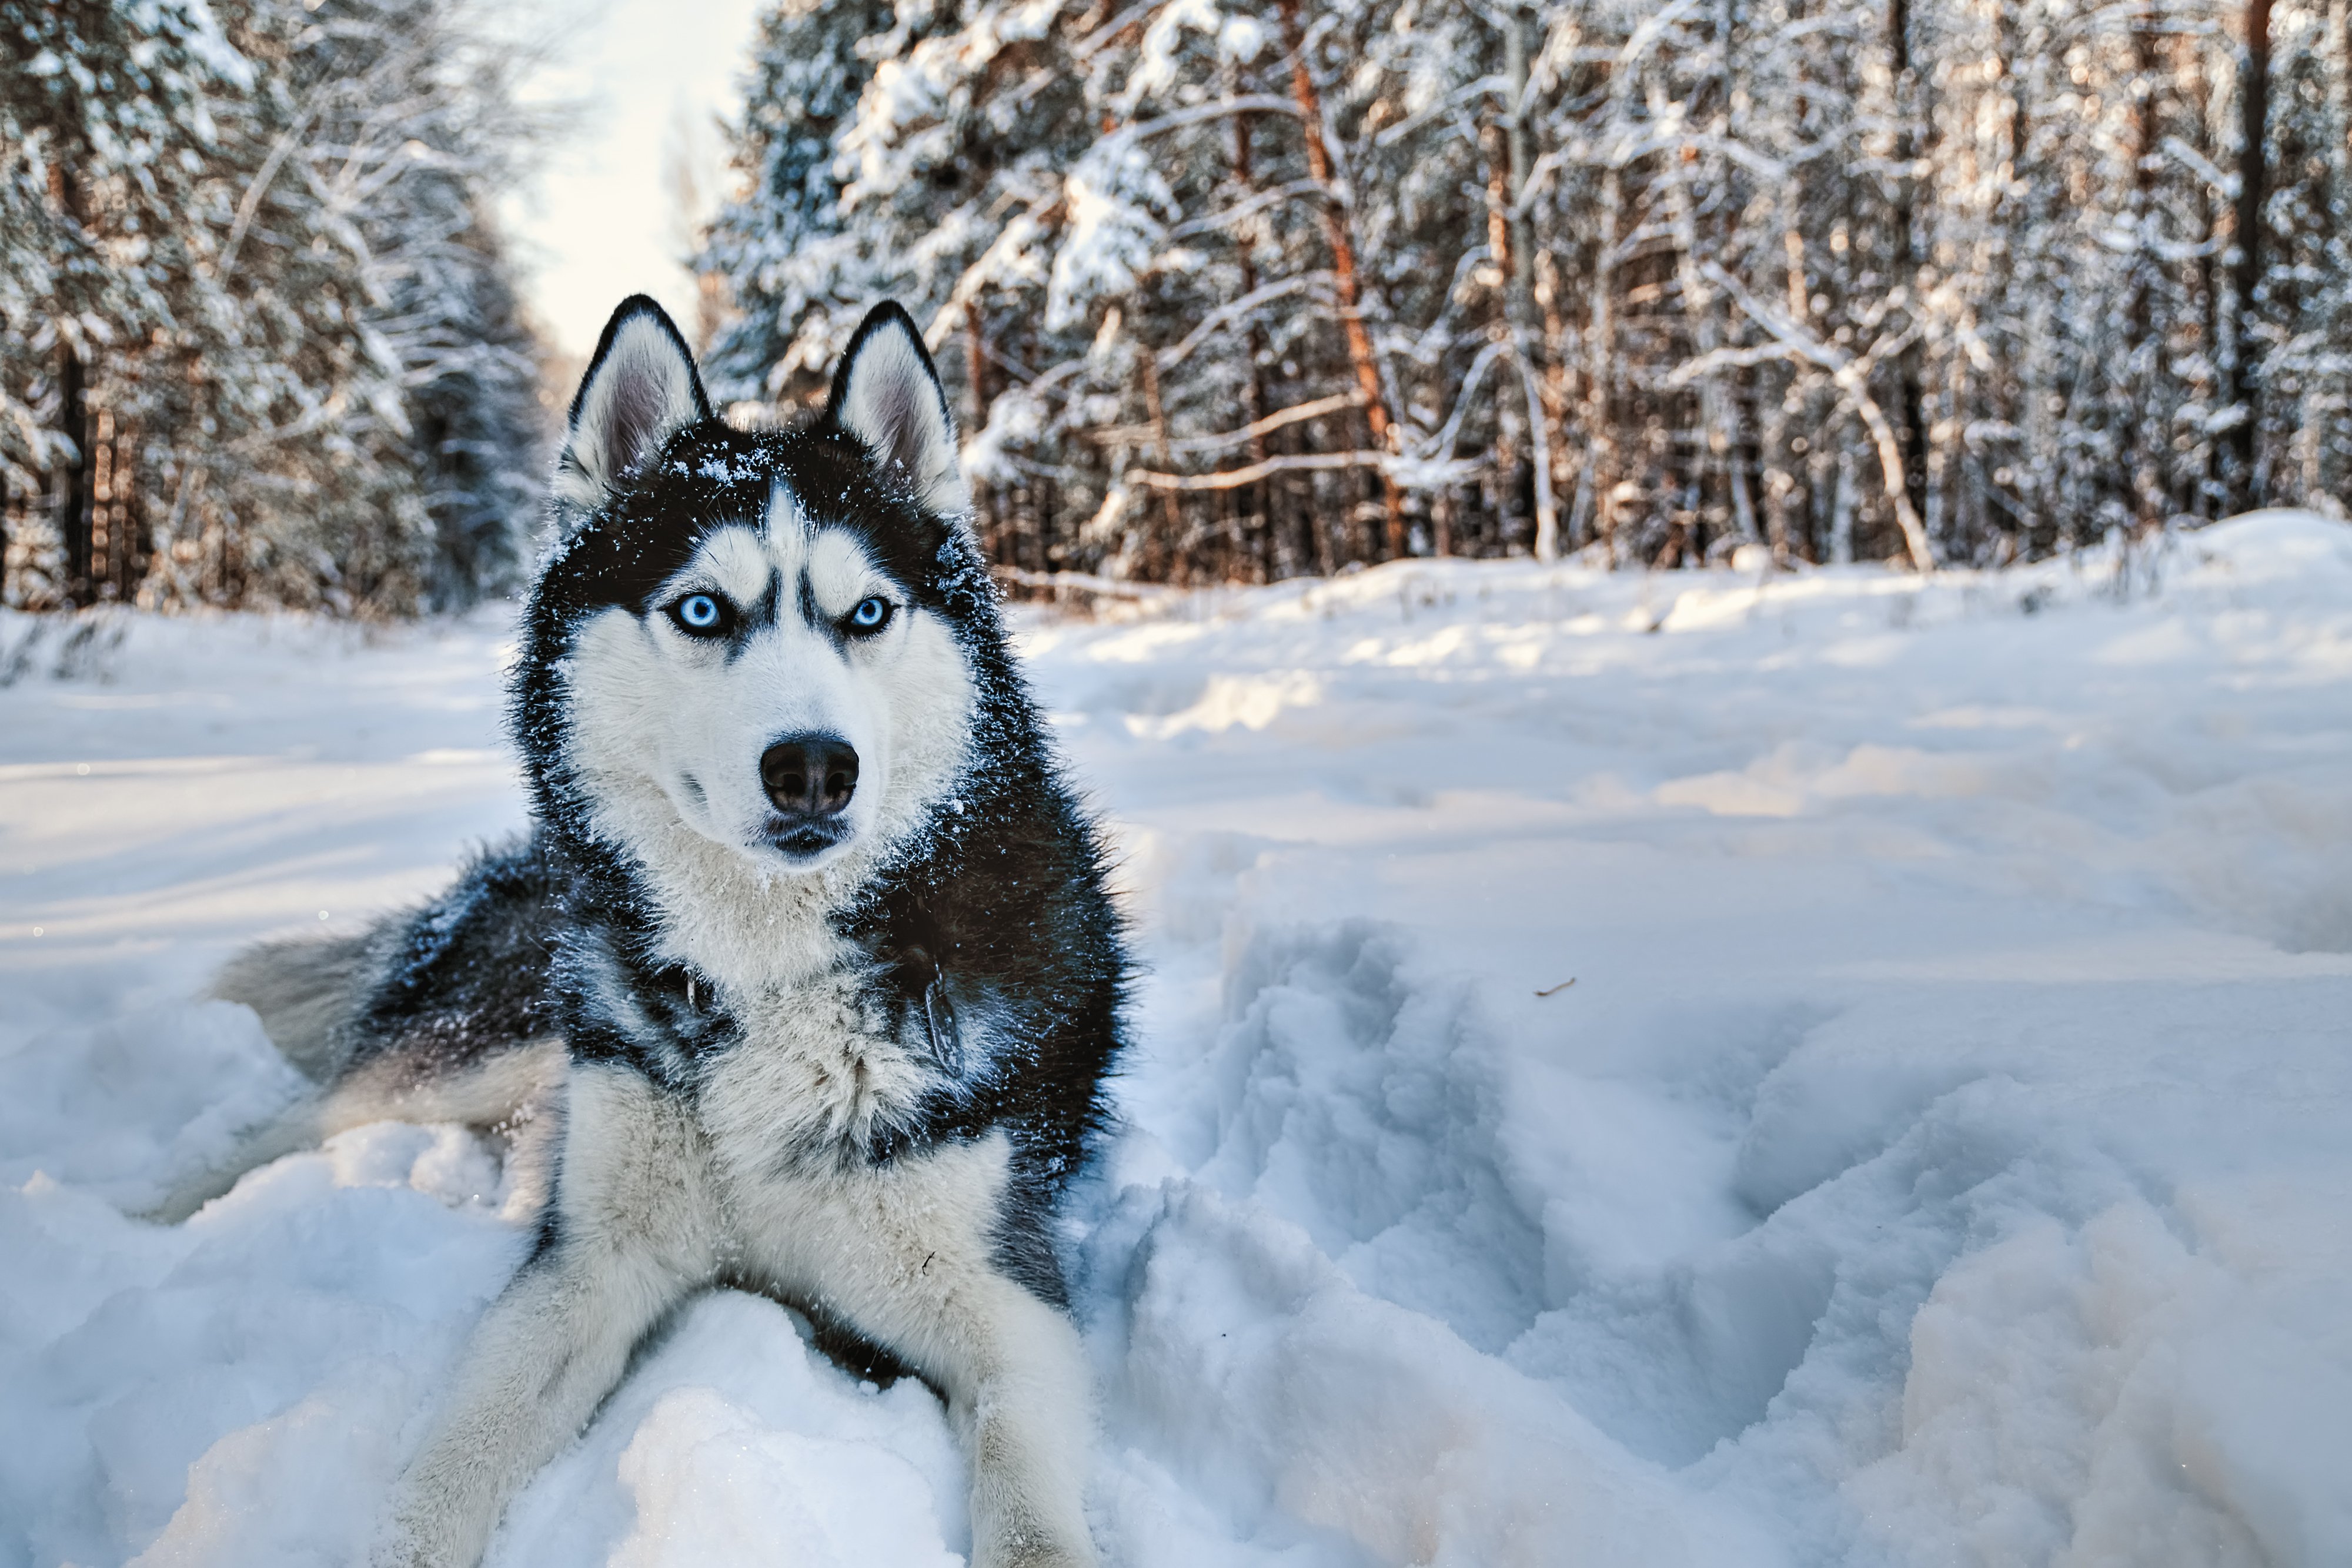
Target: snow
x=1940, y=1155
x=1112, y=234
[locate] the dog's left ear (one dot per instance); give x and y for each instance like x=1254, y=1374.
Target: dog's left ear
x=640, y=386
x=887, y=394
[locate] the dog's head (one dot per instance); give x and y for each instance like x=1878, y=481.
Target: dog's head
x=758, y=638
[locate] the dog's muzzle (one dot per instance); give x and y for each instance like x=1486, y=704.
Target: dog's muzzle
x=808, y=779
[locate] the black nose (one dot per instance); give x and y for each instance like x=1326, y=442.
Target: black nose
x=809, y=775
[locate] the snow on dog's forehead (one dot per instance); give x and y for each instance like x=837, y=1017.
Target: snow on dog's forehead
x=838, y=561
x=712, y=479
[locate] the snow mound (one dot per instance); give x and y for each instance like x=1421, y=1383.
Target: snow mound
x=1706, y=1068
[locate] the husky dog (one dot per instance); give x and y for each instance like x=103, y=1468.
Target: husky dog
x=805, y=981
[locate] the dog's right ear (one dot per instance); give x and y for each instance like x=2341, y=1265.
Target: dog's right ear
x=640, y=386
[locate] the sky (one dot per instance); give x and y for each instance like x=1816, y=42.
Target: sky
x=601, y=223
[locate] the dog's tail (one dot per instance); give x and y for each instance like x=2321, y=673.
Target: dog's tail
x=453, y=1000
x=305, y=988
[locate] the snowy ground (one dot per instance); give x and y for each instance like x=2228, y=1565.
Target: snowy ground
x=1943, y=1154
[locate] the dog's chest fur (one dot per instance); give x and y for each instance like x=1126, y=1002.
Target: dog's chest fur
x=789, y=1114
x=817, y=1066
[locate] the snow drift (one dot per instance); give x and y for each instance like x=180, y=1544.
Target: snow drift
x=1940, y=1153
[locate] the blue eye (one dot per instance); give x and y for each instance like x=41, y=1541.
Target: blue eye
x=871, y=615
x=701, y=613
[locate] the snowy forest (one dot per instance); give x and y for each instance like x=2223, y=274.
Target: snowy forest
x=1248, y=292
x=1223, y=293
x=260, y=339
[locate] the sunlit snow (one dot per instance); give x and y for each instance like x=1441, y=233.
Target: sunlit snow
x=1684, y=1069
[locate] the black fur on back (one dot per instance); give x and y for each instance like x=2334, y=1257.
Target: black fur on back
x=468, y=974
x=995, y=916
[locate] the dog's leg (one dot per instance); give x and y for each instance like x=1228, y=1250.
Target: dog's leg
x=633, y=1230
x=1018, y=1393
x=907, y=1255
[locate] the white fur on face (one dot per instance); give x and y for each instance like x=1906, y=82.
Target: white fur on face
x=667, y=732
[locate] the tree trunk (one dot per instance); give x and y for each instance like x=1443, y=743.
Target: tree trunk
x=1842, y=508
x=2333, y=473
x=1260, y=495
x=2339, y=119
x=138, y=526
x=1343, y=268
x=69, y=479
x=1910, y=413
x=2253, y=183
x=69, y=482
x=975, y=416
x=1596, y=481
x=2146, y=448
x=1525, y=334
x=1171, y=514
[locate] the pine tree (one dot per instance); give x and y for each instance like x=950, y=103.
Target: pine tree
x=777, y=250
x=264, y=337
x=1250, y=292
x=107, y=119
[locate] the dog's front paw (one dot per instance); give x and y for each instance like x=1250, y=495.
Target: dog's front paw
x=418, y=1535
x=394, y=1550
x=1033, y=1549
x=1029, y=1554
